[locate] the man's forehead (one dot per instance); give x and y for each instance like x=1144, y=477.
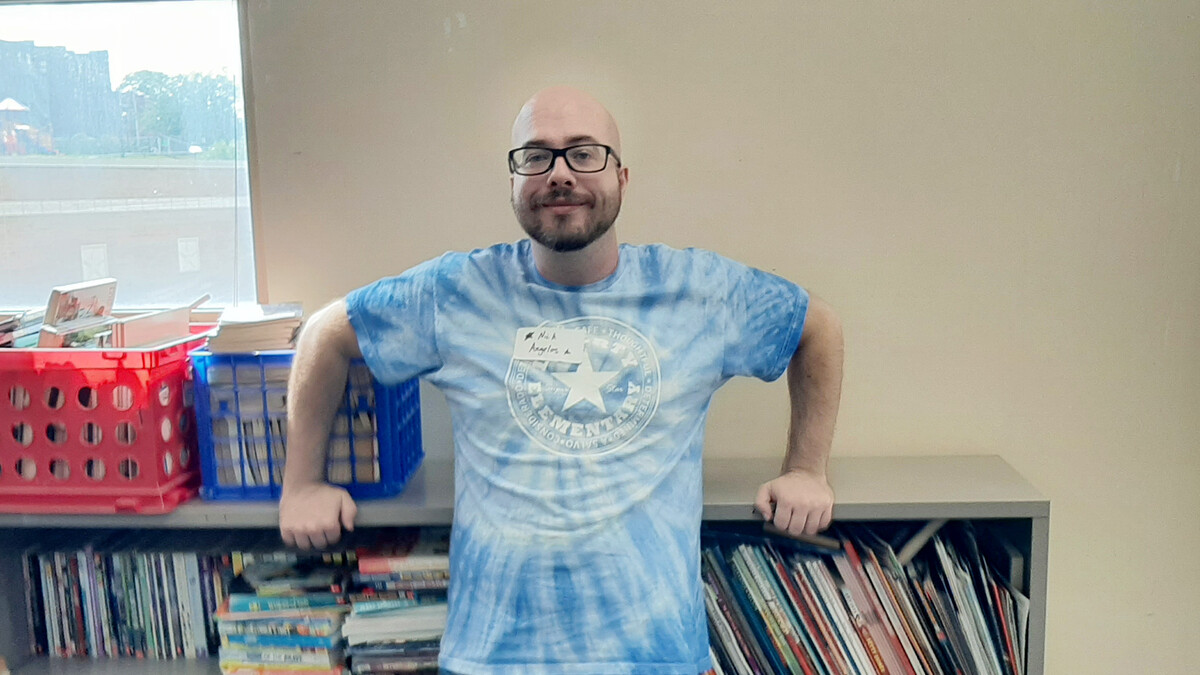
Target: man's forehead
x=563, y=119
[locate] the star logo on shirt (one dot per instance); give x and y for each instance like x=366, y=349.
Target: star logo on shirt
x=585, y=384
x=588, y=359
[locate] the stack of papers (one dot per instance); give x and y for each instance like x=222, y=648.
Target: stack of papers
x=251, y=328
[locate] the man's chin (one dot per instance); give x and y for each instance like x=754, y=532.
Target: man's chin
x=564, y=237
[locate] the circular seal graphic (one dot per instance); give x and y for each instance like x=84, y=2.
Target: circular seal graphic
x=594, y=406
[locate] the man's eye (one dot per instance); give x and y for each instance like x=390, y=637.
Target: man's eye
x=536, y=157
x=582, y=155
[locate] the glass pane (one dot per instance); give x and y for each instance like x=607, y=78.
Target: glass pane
x=123, y=152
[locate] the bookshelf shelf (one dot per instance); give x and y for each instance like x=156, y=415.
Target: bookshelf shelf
x=979, y=488
x=119, y=667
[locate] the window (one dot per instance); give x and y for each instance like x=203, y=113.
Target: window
x=123, y=152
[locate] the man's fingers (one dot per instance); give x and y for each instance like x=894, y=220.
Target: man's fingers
x=319, y=539
x=800, y=522
x=826, y=519
x=349, y=511
x=783, y=517
x=762, y=502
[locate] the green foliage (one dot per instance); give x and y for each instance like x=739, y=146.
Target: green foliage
x=164, y=111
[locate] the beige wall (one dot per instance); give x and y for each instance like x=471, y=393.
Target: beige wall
x=1002, y=200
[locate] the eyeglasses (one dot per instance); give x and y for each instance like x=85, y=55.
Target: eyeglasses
x=589, y=158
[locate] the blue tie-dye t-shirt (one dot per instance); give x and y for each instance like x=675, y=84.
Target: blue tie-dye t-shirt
x=578, y=417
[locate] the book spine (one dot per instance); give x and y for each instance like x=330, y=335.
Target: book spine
x=151, y=576
x=738, y=613
x=860, y=626
x=250, y=640
x=35, y=614
x=822, y=580
x=87, y=595
x=245, y=602
x=762, y=578
x=104, y=599
x=134, y=607
x=79, y=638
x=826, y=653
x=875, y=614
x=194, y=588
x=776, y=644
x=173, y=607
x=945, y=618
x=50, y=604
x=891, y=611
x=118, y=603
x=183, y=604
x=853, y=584
x=720, y=629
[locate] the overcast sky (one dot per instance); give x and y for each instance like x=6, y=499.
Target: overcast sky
x=197, y=36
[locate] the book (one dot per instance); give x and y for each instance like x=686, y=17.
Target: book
x=155, y=328
x=740, y=630
x=249, y=328
x=90, y=333
x=248, y=640
x=81, y=301
x=413, y=549
x=249, y=602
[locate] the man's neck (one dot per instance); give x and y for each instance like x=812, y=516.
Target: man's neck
x=590, y=264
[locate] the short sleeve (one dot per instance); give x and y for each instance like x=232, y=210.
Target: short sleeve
x=395, y=322
x=764, y=317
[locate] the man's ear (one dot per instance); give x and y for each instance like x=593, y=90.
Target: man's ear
x=623, y=179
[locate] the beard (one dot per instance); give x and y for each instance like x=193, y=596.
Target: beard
x=559, y=235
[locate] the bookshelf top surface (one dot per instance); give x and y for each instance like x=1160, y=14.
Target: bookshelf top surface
x=868, y=488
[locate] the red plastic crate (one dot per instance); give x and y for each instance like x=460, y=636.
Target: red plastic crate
x=97, y=430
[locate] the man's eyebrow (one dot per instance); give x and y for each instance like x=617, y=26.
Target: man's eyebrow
x=543, y=143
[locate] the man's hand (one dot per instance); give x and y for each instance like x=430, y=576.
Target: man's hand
x=312, y=516
x=798, y=502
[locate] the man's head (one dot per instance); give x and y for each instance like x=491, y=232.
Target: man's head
x=565, y=209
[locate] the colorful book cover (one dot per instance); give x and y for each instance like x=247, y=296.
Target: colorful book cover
x=286, y=641
x=249, y=602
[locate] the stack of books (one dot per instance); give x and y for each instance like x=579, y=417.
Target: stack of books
x=121, y=596
x=399, y=606
x=291, y=623
x=778, y=607
x=80, y=316
x=252, y=328
x=21, y=329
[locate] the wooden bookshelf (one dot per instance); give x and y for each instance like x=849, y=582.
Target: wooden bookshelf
x=984, y=489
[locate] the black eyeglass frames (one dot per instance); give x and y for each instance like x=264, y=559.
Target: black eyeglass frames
x=586, y=158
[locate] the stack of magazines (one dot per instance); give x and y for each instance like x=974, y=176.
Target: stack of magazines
x=398, y=610
x=291, y=623
x=777, y=607
x=251, y=328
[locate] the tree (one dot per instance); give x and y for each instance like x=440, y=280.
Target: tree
x=151, y=99
x=193, y=109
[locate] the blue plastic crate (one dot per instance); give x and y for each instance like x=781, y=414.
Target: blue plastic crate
x=241, y=419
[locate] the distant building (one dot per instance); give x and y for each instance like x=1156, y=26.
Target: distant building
x=67, y=94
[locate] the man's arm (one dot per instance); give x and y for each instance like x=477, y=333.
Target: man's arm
x=311, y=511
x=800, y=500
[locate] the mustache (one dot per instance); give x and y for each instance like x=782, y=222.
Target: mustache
x=562, y=196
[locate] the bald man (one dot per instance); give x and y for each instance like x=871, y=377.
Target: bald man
x=578, y=372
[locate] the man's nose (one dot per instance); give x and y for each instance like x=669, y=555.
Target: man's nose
x=561, y=174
